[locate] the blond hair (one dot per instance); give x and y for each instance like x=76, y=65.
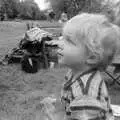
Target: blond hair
x=96, y=33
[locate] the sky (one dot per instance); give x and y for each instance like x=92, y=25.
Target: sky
x=42, y=4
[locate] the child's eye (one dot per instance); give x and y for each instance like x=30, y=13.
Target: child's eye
x=74, y=119
x=70, y=41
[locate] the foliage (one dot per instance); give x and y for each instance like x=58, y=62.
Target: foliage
x=117, y=13
x=57, y=6
x=73, y=7
x=28, y=9
x=24, y=10
x=10, y=8
x=109, y=12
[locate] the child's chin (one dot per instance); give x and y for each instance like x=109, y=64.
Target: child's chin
x=61, y=63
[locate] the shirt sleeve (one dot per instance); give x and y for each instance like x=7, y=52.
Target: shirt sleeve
x=66, y=93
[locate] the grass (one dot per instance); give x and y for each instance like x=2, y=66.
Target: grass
x=20, y=93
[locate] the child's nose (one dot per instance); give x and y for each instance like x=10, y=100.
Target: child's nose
x=53, y=42
x=59, y=44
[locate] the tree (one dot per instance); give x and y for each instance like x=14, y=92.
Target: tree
x=26, y=9
x=30, y=10
x=10, y=8
x=73, y=7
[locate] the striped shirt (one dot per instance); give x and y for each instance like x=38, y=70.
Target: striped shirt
x=89, y=86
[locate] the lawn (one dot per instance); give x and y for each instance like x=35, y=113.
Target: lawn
x=20, y=93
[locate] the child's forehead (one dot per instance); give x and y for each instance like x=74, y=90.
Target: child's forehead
x=73, y=31
x=71, y=38
x=73, y=34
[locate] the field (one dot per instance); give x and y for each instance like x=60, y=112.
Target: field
x=21, y=93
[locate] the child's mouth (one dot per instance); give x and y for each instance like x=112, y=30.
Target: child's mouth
x=59, y=54
x=59, y=50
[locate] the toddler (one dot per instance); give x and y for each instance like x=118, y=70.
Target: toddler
x=87, y=47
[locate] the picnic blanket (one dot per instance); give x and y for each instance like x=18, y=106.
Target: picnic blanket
x=36, y=34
